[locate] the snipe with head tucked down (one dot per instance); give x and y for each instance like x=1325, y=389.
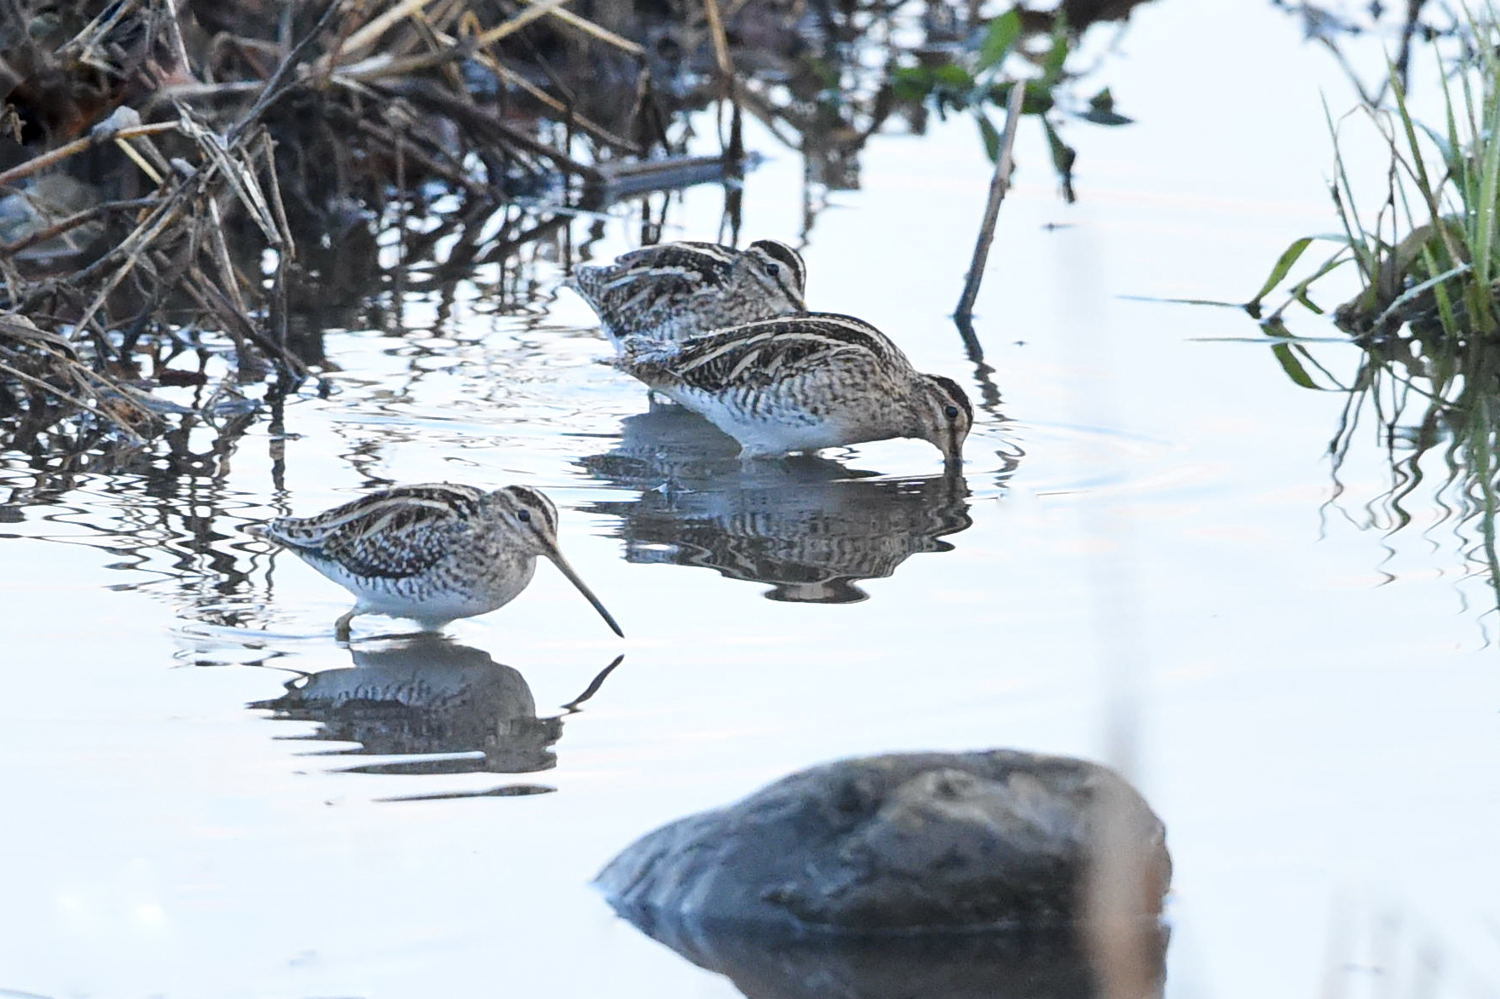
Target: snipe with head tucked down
x=803, y=383
x=676, y=291
x=434, y=552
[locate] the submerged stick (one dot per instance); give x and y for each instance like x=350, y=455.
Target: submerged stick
x=999, y=184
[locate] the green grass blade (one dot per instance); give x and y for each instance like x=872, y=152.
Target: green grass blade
x=1293, y=368
x=1284, y=263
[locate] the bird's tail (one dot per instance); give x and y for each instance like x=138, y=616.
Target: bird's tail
x=640, y=354
x=589, y=282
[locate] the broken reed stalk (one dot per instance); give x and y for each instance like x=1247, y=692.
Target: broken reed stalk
x=73, y=222
x=532, y=13
x=999, y=184
x=734, y=147
x=52, y=156
x=721, y=42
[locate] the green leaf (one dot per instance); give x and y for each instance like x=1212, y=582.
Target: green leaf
x=1063, y=156
x=1283, y=264
x=1105, y=117
x=1293, y=368
x=1300, y=294
x=989, y=134
x=953, y=77
x=1052, y=65
x=1451, y=158
x=1102, y=101
x=999, y=39
x=1339, y=259
x=911, y=83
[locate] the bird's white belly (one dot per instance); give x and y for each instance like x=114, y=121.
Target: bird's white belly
x=769, y=434
x=434, y=596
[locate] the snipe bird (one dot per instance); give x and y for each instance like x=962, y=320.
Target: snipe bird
x=803, y=383
x=434, y=552
x=676, y=291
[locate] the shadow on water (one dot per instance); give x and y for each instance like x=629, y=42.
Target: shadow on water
x=810, y=527
x=449, y=708
x=1037, y=964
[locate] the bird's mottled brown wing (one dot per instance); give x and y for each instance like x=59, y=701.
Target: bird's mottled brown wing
x=641, y=283
x=390, y=534
x=757, y=354
x=711, y=263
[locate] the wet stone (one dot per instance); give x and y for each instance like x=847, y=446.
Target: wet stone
x=905, y=842
x=1049, y=963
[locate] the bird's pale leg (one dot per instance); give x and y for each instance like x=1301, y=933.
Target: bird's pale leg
x=752, y=460
x=341, y=626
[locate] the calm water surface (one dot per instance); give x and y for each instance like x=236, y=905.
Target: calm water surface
x=205, y=795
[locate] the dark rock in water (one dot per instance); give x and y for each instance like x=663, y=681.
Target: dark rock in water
x=1055, y=963
x=903, y=843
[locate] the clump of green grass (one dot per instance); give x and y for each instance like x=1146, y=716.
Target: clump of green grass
x=1428, y=309
x=1431, y=253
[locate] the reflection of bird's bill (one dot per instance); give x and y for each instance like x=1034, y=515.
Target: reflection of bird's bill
x=567, y=570
x=594, y=685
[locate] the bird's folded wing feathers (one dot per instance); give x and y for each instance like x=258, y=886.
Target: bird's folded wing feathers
x=394, y=533
x=753, y=354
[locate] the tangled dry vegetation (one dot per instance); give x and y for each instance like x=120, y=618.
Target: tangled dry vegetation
x=184, y=182
x=170, y=168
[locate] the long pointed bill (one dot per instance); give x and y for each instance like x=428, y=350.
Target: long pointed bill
x=953, y=451
x=567, y=570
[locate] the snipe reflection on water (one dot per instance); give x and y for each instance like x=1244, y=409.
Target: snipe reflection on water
x=810, y=526
x=448, y=708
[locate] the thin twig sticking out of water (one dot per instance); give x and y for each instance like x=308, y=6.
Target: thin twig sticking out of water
x=999, y=184
x=734, y=146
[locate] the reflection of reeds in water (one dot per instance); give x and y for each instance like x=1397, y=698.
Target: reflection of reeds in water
x=810, y=527
x=162, y=517
x=1052, y=963
x=1427, y=395
x=451, y=707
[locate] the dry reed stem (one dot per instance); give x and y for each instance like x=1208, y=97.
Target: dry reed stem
x=54, y=156
x=583, y=123
x=999, y=184
x=480, y=119
x=17, y=330
x=140, y=161
x=537, y=10
x=367, y=35
x=721, y=44
x=66, y=397
x=595, y=31
x=72, y=222
x=385, y=66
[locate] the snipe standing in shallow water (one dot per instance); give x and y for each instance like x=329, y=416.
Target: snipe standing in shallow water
x=675, y=291
x=803, y=383
x=434, y=552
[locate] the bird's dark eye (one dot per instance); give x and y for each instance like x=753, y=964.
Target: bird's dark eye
x=951, y=412
x=524, y=516
x=775, y=269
